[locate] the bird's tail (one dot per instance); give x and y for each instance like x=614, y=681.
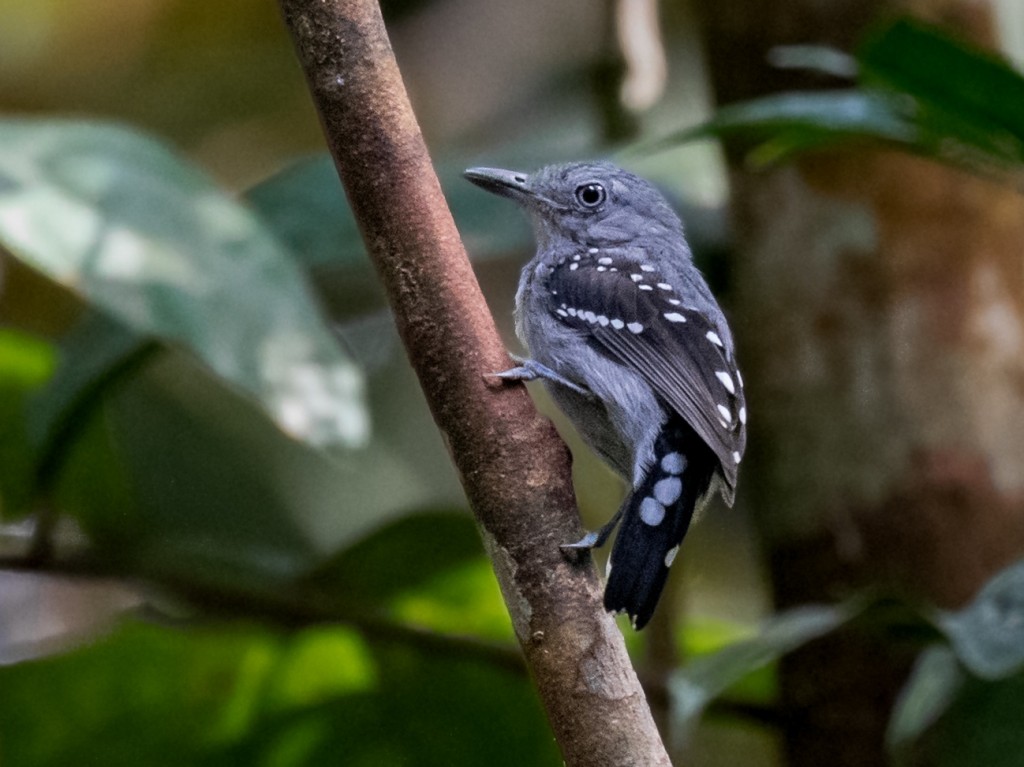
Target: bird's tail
x=655, y=518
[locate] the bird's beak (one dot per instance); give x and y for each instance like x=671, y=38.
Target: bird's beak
x=507, y=183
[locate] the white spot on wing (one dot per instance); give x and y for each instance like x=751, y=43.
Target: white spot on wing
x=647, y=268
x=561, y=312
x=645, y=287
x=712, y=336
x=635, y=327
x=573, y=266
x=674, y=301
x=602, y=320
x=604, y=260
x=726, y=380
x=592, y=251
x=636, y=277
x=618, y=324
x=651, y=512
x=675, y=317
x=664, y=286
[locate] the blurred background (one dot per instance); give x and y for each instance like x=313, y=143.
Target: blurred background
x=229, y=532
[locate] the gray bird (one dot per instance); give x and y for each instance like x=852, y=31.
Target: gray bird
x=623, y=330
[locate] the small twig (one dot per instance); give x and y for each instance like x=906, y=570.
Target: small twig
x=287, y=609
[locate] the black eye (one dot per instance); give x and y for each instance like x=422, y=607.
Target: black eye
x=590, y=195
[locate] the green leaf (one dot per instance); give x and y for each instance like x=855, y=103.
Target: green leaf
x=119, y=219
x=982, y=727
x=933, y=685
x=26, y=363
x=230, y=695
x=805, y=120
x=988, y=634
x=708, y=677
x=95, y=352
x=306, y=208
x=950, y=74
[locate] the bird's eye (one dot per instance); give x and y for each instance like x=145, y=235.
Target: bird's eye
x=590, y=195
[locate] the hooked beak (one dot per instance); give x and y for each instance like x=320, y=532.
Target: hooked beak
x=507, y=183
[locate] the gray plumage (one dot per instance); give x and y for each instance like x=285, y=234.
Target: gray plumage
x=633, y=347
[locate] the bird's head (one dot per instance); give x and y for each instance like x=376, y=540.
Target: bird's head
x=588, y=203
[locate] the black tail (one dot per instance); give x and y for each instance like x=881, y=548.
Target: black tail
x=655, y=518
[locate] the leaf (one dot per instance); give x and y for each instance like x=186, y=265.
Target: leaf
x=936, y=68
x=26, y=363
x=305, y=207
x=933, y=685
x=806, y=120
x=708, y=677
x=91, y=355
x=234, y=694
x=988, y=634
x=119, y=219
x=981, y=727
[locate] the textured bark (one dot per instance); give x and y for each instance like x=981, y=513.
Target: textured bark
x=880, y=311
x=513, y=467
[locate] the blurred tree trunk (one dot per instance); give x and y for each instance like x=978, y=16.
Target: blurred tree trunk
x=879, y=301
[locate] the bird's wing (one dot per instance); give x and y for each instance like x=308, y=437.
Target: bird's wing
x=637, y=317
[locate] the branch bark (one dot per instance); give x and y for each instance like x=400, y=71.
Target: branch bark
x=514, y=469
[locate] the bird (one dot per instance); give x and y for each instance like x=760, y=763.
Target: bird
x=624, y=332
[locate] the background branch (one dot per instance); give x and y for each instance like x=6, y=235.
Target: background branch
x=513, y=467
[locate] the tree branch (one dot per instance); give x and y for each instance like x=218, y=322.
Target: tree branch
x=514, y=469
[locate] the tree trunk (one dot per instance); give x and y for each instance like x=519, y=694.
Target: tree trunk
x=879, y=304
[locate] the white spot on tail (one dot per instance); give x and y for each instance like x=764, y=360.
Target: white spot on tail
x=670, y=555
x=635, y=327
x=673, y=463
x=725, y=413
x=651, y=512
x=668, y=490
x=743, y=415
x=726, y=380
x=602, y=320
x=618, y=324
x=736, y=455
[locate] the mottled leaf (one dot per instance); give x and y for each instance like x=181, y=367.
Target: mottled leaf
x=141, y=234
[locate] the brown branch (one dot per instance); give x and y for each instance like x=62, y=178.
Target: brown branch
x=514, y=469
